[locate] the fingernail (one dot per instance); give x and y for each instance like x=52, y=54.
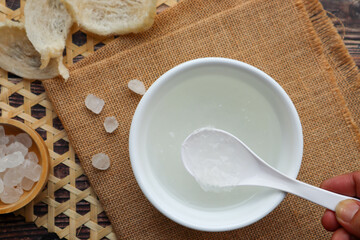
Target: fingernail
x=346, y=210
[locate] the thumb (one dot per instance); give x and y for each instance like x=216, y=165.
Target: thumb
x=348, y=215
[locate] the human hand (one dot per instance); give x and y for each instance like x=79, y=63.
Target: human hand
x=345, y=221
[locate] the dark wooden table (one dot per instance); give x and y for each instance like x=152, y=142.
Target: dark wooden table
x=346, y=17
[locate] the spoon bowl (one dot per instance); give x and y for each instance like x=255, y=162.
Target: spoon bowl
x=219, y=160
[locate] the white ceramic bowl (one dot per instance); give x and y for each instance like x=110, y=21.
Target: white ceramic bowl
x=226, y=94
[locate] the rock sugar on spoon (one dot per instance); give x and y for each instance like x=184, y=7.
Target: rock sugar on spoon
x=220, y=161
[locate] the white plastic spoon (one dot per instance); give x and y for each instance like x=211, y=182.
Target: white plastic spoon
x=218, y=159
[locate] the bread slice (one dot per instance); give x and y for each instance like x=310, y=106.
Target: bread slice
x=47, y=24
x=110, y=17
x=18, y=55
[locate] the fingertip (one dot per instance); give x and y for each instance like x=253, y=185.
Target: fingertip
x=326, y=183
x=341, y=234
x=329, y=221
x=346, y=184
x=348, y=215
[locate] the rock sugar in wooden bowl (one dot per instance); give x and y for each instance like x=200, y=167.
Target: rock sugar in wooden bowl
x=24, y=165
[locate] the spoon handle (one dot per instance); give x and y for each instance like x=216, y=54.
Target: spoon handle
x=314, y=194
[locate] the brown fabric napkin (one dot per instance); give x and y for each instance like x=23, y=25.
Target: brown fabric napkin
x=293, y=41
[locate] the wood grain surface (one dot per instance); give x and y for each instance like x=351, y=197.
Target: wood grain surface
x=346, y=17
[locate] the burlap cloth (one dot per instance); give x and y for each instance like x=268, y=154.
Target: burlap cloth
x=291, y=40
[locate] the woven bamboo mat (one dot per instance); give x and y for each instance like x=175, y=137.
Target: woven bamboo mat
x=33, y=107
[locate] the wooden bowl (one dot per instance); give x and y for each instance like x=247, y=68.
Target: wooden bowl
x=13, y=127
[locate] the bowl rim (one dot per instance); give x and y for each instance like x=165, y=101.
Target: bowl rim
x=167, y=76
x=45, y=158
